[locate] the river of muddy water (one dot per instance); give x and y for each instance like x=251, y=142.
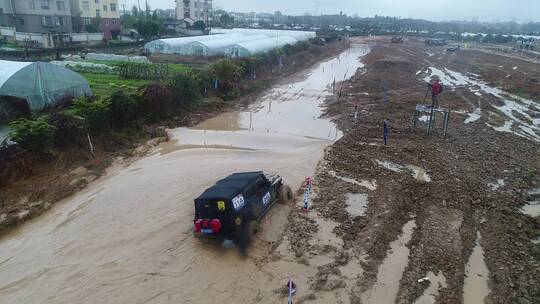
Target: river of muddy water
x=128, y=237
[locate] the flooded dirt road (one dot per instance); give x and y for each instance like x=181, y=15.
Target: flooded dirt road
x=128, y=237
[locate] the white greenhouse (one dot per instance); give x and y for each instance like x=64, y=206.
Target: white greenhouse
x=250, y=48
x=218, y=46
x=178, y=45
x=298, y=35
x=220, y=40
x=40, y=83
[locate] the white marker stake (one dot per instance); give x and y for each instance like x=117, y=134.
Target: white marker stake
x=292, y=290
x=307, y=193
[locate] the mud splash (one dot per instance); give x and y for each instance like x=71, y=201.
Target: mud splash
x=128, y=237
x=390, y=271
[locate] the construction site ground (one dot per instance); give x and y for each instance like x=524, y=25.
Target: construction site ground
x=419, y=220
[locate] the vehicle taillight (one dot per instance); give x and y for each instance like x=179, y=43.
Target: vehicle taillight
x=215, y=225
x=198, y=226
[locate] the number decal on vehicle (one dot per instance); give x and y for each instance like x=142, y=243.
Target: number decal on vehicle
x=221, y=205
x=266, y=198
x=238, y=202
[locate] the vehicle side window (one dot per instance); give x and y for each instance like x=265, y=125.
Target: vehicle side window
x=250, y=191
x=261, y=184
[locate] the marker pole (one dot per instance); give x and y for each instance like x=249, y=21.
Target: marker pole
x=309, y=183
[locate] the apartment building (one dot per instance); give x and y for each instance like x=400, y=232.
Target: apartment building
x=197, y=10
x=107, y=12
x=37, y=16
x=5, y=13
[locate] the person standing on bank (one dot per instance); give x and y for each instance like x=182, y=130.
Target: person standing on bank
x=436, y=89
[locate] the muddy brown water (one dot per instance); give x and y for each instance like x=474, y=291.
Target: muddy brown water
x=128, y=237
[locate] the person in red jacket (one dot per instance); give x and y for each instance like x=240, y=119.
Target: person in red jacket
x=436, y=90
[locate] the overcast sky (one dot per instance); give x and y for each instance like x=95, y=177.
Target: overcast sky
x=482, y=10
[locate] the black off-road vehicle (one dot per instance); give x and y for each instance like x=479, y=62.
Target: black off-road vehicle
x=234, y=206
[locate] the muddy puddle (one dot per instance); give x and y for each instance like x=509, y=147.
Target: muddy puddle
x=371, y=185
x=497, y=185
x=520, y=113
x=418, y=173
x=128, y=237
x=391, y=270
x=532, y=208
x=475, y=288
x=356, y=203
x=436, y=281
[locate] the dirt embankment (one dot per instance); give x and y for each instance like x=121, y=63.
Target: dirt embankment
x=51, y=180
x=431, y=194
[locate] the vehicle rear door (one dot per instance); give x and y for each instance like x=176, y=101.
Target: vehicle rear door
x=264, y=195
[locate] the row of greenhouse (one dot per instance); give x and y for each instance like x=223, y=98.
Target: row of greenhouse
x=228, y=42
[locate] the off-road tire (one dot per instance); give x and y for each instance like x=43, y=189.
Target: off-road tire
x=249, y=229
x=285, y=195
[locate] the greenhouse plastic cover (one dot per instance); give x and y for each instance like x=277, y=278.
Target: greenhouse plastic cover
x=205, y=45
x=219, y=46
x=249, y=48
x=40, y=83
x=176, y=45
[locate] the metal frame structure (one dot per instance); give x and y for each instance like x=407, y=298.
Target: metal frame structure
x=431, y=111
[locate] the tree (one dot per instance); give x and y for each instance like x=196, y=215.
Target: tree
x=199, y=25
x=93, y=26
x=225, y=19
x=134, y=11
x=147, y=28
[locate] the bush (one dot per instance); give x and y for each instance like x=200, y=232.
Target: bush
x=227, y=72
x=185, y=88
x=13, y=107
x=303, y=45
x=96, y=114
x=248, y=64
x=273, y=56
x=69, y=128
x=156, y=101
x=315, y=50
x=123, y=109
x=36, y=136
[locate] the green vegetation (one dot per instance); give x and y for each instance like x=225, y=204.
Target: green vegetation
x=105, y=85
x=36, y=136
x=185, y=87
x=96, y=114
x=531, y=176
x=123, y=109
x=10, y=45
x=132, y=70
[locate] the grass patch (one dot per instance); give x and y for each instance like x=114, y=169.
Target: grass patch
x=105, y=85
x=175, y=67
x=11, y=45
x=178, y=68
